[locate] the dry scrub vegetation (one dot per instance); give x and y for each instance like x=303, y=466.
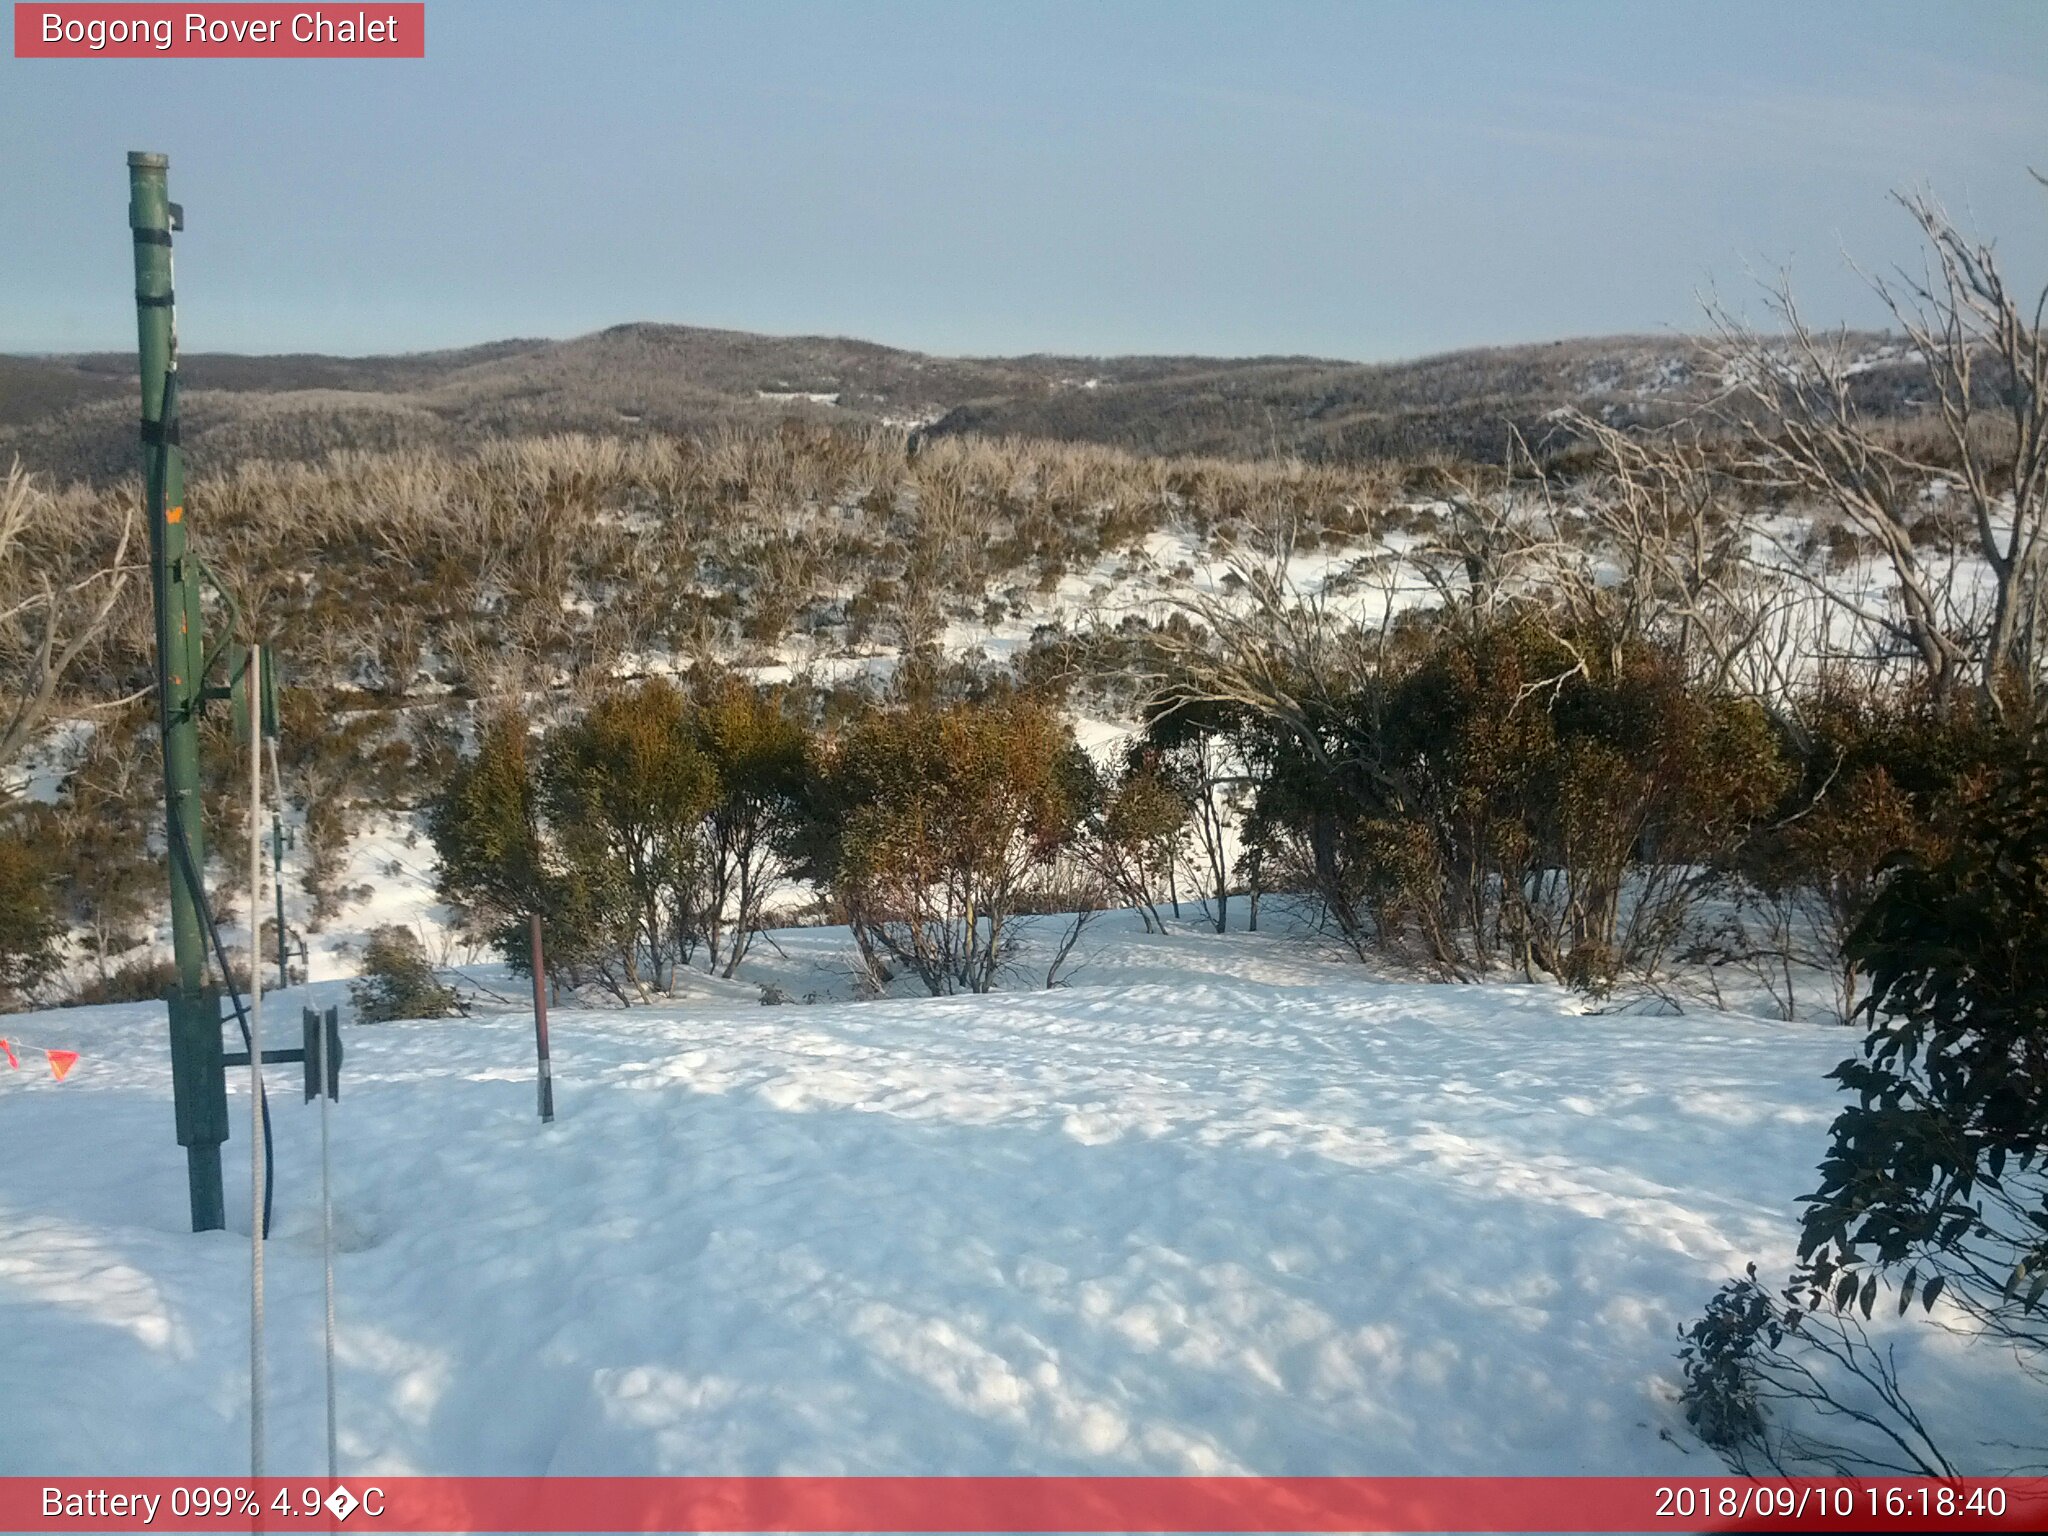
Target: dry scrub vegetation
x=555, y=562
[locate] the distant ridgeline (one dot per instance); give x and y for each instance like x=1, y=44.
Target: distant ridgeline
x=71, y=417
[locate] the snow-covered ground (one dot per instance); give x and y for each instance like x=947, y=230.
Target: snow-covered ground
x=1225, y=1204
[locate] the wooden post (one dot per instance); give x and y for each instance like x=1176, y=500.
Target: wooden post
x=540, y=1025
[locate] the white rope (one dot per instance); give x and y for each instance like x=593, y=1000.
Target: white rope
x=255, y=696
x=327, y=1248
x=326, y=1185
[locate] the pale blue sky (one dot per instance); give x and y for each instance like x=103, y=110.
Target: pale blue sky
x=1367, y=180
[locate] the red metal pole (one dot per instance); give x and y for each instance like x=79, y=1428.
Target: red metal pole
x=540, y=1025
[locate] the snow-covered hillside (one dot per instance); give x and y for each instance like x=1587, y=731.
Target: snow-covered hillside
x=1222, y=1205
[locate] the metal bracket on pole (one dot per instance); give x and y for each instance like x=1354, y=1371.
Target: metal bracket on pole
x=323, y=1030
x=312, y=1023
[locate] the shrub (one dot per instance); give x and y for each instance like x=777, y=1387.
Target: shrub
x=1720, y=1364
x=1762, y=1376
x=1940, y=1166
x=485, y=827
x=29, y=924
x=935, y=821
x=1516, y=794
x=1878, y=778
x=499, y=867
x=625, y=791
x=650, y=827
x=1134, y=826
x=100, y=828
x=398, y=981
x=760, y=760
x=135, y=981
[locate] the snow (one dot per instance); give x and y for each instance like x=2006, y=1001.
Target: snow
x=389, y=870
x=1225, y=1204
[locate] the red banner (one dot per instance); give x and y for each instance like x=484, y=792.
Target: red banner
x=370, y=30
x=1022, y=1504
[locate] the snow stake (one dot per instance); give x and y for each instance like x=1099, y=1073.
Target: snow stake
x=540, y=1024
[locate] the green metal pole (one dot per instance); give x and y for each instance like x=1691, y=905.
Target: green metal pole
x=198, y=1077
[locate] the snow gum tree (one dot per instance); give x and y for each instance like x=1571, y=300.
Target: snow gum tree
x=1193, y=750
x=1796, y=395
x=62, y=580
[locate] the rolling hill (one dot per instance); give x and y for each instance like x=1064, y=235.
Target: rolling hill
x=72, y=417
